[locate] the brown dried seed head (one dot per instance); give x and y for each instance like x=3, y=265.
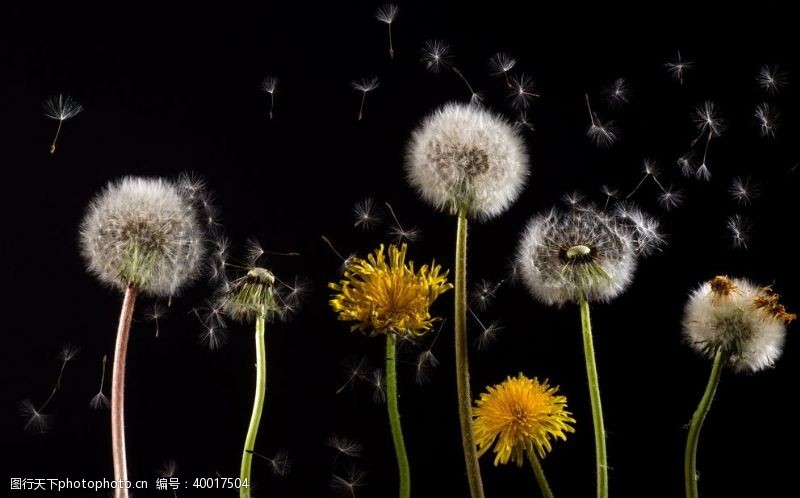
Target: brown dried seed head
x=722, y=286
x=770, y=304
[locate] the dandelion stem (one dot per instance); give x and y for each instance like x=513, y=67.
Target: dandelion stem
x=462, y=360
x=540, y=478
x=394, y=416
x=118, y=390
x=594, y=396
x=258, y=406
x=55, y=139
x=690, y=456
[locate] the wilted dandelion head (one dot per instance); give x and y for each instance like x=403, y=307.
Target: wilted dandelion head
x=520, y=415
x=384, y=294
x=144, y=232
x=464, y=157
x=583, y=252
x=252, y=296
x=744, y=321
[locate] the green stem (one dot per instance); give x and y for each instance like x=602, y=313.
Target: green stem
x=594, y=396
x=462, y=361
x=690, y=456
x=258, y=406
x=540, y=478
x=394, y=416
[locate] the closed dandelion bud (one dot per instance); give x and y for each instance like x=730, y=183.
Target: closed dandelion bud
x=252, y=296
x=463, y=157
x=143, y=232
x=745, y=322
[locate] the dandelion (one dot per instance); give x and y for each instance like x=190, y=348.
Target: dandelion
x=383, y=294
x=768, y=119
x=771, y=78
x=601, y=134
x=743, y=190
x=469, y=162
x=100, y=400
x=270, y=86
x=436, y=56
x=739, y=229
x=386, y=14
x=36, y=420
x=520, y=417
x=617, y=93
x=678, y=67
x=710, y=125
x=500, y=64
x=521, y=92
x=60, y=107
x=365, y=215
x=365, y=85
x=736, y=324
x=140, y=236
x=581, y=256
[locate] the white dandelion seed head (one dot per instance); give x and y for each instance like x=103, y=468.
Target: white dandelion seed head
x=768, y=119
x=707, y=119
x=771, y=78
x=270, y=84
x=744, y=320
x=501, y=63
x=565, y=254
x=436, y=55
x=61, y=107
x=465, y=157
x=387, y=13
x=366, y=84
x=143, y=231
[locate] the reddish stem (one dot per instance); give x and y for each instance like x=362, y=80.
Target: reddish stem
x=118, y=391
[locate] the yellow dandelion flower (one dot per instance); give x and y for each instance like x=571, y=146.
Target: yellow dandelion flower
x=520, y=415
x=385, y=294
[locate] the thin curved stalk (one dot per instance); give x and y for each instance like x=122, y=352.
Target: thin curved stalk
x=594, y=396
x=258, y=407
x=690, y=456
x=539, y=472
x=394, y=416
x=462, y=361
x=118, y=390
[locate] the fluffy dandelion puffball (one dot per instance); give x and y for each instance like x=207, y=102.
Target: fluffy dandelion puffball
x=746, y=322
x=144, y=232
x=584, y=251
x=253, y=295
x=465, y=157
x=384, y=294
x=520, y=415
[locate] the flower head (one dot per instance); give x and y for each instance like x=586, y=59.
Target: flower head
x=744, y=321
x=520, y=415
x=583, y=252
x=386, y=295
x=144, y=232
x=464, y=157
x=251, y=296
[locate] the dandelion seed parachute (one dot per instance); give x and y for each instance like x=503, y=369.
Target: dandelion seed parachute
x=464, y=157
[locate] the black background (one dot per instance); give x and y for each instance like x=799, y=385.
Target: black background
x=180, y=92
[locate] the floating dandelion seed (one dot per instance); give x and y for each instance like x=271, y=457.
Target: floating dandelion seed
x=521, y=91
x=743, y=190
x=60, y=107
x=345, y=261
x=739, y=229
x=280, y=464
x=678, y=67
x=37, y=421
x=685, y=164
x=387, y=13
x=350, y=482
x=377, y=382
x=572, y=199
x=500, y=64
x=649, y=169
x=522, y=122
x=610, y=193
x=365, y=85
x=168, y=470
x=617, y=93
x=484, y=292
x=600, y=134
x=436, y=56
x=768, y=119
x=771, y=78
x=670, y=198
x=155, y=314
x=270, y=86
x=345, y=446
x=100, y=400
x=426, y=361
x=399, y=233
x=710, y=125
x=488, y=333
x=365, y=214
x=213, y=337
x=356, y=370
